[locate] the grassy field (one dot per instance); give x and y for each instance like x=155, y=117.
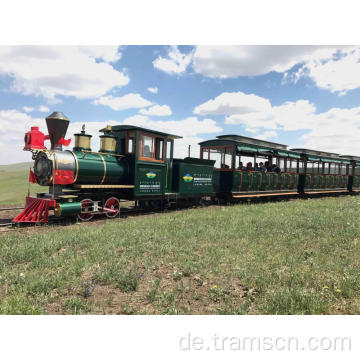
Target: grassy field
x=14, y=184
x=296, y=257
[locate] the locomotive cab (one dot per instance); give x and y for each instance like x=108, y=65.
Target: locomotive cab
x=150, y=157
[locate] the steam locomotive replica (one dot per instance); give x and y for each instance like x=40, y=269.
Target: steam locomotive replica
x=137, y=164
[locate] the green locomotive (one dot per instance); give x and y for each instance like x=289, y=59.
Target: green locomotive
x=137, y=164
x=133, y=163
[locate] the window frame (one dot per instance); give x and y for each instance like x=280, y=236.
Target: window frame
x=168, y=147
x=153, y=147
x=223, y=147
x=133, y=137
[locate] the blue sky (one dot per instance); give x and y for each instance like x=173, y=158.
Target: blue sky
x=303, y=96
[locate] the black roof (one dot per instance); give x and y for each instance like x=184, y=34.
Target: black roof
x=117, y=128
x=316, y=152
x=252, y=141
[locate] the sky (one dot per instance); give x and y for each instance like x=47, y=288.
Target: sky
x=301, y=96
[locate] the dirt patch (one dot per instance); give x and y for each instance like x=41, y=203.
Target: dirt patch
x=159, y=291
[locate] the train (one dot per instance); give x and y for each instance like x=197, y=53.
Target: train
x=137, y=164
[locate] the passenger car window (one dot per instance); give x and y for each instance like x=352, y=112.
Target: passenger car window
x=228, y=158
x=326, y=168
x=301, y=166
x=216, y=154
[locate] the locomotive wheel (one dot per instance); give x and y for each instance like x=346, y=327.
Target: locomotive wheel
x=87, y=207
x=114, y=204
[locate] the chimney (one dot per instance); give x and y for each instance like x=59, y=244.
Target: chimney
x=57, y=124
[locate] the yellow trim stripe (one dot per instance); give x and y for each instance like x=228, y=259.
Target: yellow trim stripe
x=104, y=162
x=103, y=186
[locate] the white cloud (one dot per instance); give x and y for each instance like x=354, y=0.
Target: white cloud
x=175, y=62
x=157, y=110
x=334, y=68
x=41, y=108
x=234, y=61
x=266, y=135
x=14, y=124
x=28, y=109
x=288, y=116
x=44, y=109
x=103, y=52
x=129, y=101
x=181, y=147
x=53, y=71
x=338, y=72
x=153, y=90
x=233, y=103
x=190, y=126
x=336, y=130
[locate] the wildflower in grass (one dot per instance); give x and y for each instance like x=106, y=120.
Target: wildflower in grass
x=214, y=287
x=338, y=291
x=87, y=289
x=70, y=288
x=325, y=287
x=22, y=274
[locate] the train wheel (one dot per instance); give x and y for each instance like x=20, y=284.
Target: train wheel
x=114, y=204
x=87, y=207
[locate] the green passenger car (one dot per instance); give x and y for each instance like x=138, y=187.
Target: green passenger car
x=242, y=166
x=325, y=172
x=246, y=167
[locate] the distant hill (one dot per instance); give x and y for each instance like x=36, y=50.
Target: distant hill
x=16, y=167
x=14, y=183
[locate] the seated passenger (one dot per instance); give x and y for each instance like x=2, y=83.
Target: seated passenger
x=249, y=167
x=240, y=167
x=267, y=166
x=256, y=168
x=275, y=168
x=262, y=168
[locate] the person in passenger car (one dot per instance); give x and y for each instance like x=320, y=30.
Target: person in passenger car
x=262, y=168
x=240, y=167
x=267, y=166
x=249, y=166
x=257, y=167
x=276, y=169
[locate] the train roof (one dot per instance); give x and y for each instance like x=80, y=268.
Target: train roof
x=248, y=140
x=118, y=128
x=315, y=152
x=250, y=145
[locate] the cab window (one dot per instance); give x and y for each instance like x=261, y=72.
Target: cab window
x=151, y=148
x=159, y=149
x=147, y=146
x=130, y=145
x=168, y=149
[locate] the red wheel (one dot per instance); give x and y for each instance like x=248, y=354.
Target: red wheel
x=112, y=204
x=87, y=208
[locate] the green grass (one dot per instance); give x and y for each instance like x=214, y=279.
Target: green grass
x=14, y=184
x=297, y=257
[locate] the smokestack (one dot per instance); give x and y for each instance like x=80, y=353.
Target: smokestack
x=57, y=124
